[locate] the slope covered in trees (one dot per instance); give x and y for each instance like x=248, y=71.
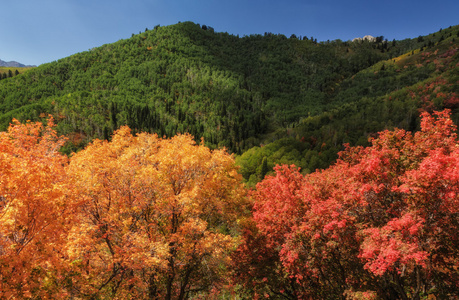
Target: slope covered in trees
x=389, y=94
x=299, y=99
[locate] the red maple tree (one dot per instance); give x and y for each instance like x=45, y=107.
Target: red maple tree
x=380, y=223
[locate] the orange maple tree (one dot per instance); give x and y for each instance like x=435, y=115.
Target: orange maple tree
x=158, y=217
x=35, y=212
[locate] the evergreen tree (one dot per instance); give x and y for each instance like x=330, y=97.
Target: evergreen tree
x=263, y=169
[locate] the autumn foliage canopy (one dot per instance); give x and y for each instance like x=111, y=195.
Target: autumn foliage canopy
x=141, y=217
x=381, y=223
x=136, y=217
x=35, y=211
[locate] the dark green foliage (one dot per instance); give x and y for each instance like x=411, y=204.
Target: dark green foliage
x=386, y=95
x=263, y=169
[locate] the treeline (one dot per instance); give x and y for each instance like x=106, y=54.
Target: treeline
x=8, y=74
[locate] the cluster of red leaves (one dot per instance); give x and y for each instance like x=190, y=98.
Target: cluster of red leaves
x=440, y=59
x=435, y=94
x=382, y=221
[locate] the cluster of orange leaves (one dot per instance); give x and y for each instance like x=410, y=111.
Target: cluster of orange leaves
x=136, y=217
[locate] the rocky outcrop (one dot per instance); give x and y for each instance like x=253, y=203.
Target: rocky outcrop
x=365, y=38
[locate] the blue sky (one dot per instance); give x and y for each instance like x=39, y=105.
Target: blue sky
x=40, y=31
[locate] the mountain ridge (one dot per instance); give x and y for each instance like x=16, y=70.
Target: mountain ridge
x=14, y=64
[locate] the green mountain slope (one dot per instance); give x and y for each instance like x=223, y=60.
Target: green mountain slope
x=389, y=94
x=184, y=78
x=237, y=92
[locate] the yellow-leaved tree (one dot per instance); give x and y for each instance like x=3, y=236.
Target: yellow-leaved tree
x=158, y=218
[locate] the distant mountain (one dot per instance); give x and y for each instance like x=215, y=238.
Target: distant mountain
x=13, y=64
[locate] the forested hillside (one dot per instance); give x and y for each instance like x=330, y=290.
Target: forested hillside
x=241, y=92
x=391, y=93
